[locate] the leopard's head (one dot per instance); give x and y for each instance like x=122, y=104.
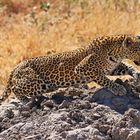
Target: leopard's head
x=131, y=46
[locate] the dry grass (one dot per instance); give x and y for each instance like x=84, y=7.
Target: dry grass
x=30, y=31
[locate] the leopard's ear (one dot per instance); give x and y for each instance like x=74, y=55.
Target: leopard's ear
x=127, y=41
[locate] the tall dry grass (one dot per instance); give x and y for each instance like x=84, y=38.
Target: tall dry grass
x=68, y=24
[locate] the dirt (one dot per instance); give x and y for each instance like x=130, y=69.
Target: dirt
x=74, y=114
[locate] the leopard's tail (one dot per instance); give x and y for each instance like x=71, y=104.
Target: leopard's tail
x=7, y=90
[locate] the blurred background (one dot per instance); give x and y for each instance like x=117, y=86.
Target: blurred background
x=30, y=28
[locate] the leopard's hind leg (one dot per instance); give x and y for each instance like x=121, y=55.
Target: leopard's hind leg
x=27, y=83
x=7, y=90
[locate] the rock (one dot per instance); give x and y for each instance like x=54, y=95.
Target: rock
x=24, y=108
x=15, y=128
x=104, y=128
x=1, y=118
x=123, y=133
x=45, y=111
x=85, y=105
x=0, y=128
x=35, y=137
x=9, y=113
x=49, y=104
x=82, y=136
x=58, y=98
x=120, y=104
x=135, y=102
x=76, y=115
x=134, y=114
x=103, y=96
x=26, y=114
x=74, y=91
x=98, y=137
x=80, y=104
x=75, y=135
x=86, y=133
x=69, y=120
x=94, y=131
x=64, y=104
x=96, y=116
x=63, y=134
x=5, y=120
x=27, y=127
x=134, y=135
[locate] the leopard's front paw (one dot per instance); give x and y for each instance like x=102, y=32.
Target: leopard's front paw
x=118, y=90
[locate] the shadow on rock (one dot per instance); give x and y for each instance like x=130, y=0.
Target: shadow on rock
x=118, y=103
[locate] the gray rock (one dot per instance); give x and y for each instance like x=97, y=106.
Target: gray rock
x=76, y=115
x=64, y=104
x=119, y=103
x=9, y=113
x=25, y=113
x=134, y=114
x=134, y=135
x=15, y=129
x=123, y=133
x=71, y=136
x=49, y=103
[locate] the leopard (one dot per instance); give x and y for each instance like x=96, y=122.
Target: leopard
x=92, y=63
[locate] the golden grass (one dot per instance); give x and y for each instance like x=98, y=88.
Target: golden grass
x=67, y=25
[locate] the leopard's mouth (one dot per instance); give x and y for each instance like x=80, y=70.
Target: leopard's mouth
x=137, y=63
